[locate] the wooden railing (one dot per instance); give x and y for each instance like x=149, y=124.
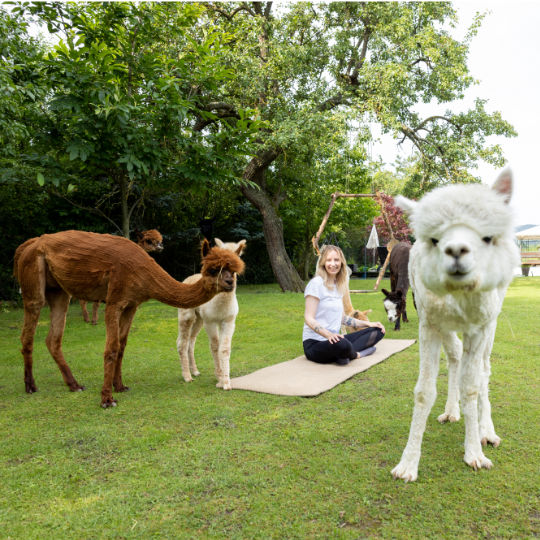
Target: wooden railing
x=530, y=258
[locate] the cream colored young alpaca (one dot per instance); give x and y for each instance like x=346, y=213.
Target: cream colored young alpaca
x=218, y=317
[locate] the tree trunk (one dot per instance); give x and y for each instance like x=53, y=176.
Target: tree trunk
x=282, y=267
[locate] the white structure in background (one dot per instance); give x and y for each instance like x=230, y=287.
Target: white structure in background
x=529, y=242
x=373, y=241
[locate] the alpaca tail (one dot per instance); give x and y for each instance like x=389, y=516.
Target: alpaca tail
x=18, y=253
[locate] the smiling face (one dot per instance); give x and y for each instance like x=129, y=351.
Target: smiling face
x=332, y=263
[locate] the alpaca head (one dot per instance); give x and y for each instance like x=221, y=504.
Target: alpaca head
x=361, y=315
x=393, y=304
x=237, y=247
x=220, y=267
x=150, y=240
x=464, y=236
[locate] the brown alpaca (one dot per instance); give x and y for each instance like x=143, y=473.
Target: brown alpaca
x=150, y=240
x=112, y=269
x=349, y=310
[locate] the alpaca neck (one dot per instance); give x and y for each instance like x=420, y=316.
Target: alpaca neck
x=166, y=289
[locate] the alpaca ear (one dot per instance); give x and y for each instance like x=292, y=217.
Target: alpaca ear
x=407, y=205
x=219, y=243
x=240, y=247
x=385, y=292
x=504, y=184
x=205, y=248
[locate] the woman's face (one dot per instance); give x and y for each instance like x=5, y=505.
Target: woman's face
x=332, y=264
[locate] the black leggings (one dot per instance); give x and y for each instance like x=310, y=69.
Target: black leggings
x=324, y=352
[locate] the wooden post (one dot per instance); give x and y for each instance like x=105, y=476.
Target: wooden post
x=335, y=196
x=390, y=246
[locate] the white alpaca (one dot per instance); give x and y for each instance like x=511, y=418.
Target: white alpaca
x=459, y=269
x=218, y=317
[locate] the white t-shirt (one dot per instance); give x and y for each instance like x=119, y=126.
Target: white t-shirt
x=329, y=311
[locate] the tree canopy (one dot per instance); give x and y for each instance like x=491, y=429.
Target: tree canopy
x=128, y=109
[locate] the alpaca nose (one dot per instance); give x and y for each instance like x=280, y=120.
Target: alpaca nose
x=457, y=250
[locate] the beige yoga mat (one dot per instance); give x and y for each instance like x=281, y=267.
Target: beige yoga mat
x=300, y=377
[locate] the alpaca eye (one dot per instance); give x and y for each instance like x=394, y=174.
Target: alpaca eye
x=434, y=241
x=213, y=271
x=487, y=239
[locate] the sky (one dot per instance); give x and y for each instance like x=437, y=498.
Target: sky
x=505, y=57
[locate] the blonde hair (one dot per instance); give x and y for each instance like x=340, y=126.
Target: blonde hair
x=341, y=277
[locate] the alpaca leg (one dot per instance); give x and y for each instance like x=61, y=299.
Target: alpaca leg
x=31, y=316
x=425, y=393
x=404, y=310
x=84, y=311
x=214, y=337
x=125, y=324
x=110, y=356
x=95, y=308
x=186, y=320
x=454, y=350
x=224, y=354
x=195, y=329
x=59, y=302
x=486, y=427
x=470, y=380
x=32, y=279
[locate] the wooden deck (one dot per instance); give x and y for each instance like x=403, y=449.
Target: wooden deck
x=530, y=258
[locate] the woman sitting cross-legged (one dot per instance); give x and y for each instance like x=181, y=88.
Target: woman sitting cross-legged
x=323, y=342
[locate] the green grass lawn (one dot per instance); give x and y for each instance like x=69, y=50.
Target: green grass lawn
x=177, y=460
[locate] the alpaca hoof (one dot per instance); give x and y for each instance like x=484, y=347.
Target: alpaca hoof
x=76, y=388
x=121, y=388
x=187, y=378
x=108, y=403
x=478, y=462
x=196, y=373
x=405, y=471
x=226, y=385
x=30, y=388
x=494, y=440
x=94, y=323
x=447, y=417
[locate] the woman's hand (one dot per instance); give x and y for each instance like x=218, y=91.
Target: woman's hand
x=377, y=324
x=330, y=336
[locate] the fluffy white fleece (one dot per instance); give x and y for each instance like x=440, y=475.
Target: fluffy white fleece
x=460, y=267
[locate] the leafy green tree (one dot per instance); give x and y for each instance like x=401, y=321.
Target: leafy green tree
x=304, y=65
x=128, y=83
x=22, y=84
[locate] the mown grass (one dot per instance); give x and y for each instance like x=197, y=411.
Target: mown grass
x=178, y=460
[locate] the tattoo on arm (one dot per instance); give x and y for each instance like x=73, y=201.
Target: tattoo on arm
x=350, y=321
x=316, y=329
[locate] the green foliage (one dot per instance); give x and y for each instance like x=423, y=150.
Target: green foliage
x=22, y=85
x=135, y=107
x=127, y=84
x=177, y=460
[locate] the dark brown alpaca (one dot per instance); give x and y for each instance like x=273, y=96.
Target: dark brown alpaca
x=395, y=302
x=150, y=240
x=105, y=268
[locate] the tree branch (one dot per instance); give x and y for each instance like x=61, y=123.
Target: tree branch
x=88, y=209
x=230, y=16
x=223, y=110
